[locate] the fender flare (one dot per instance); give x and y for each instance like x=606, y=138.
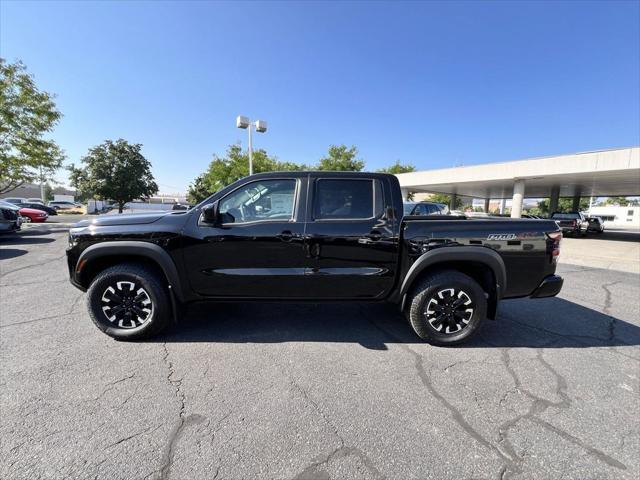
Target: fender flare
x=483, y=255
x=148, y=250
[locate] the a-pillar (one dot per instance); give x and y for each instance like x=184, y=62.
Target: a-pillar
x=405, y=194
x=518, y=197
x=452, y=201
x=553, y=199
x=486, y=205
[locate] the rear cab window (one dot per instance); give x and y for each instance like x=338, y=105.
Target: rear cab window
x=347, y=199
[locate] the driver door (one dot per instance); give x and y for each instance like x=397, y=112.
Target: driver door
x=257, y=250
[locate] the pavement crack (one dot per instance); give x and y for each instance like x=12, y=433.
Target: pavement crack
x=606, y=310
x=181, y=422
x=456, y=415
x=539, y=406
x=137, y=434
x=109, y=386
x=25, y=267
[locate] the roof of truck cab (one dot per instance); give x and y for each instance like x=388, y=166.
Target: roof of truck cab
x=322, y=173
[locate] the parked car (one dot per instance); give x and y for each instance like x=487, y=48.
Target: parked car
x=35, y=200
x=62, y=205
x=596, y=224
x=181, y=206
x=32, y=215
x=38, y=206
x=10, y=220
x=425, y=208
x=316, y=236
x=571, y=223
x=14, y=200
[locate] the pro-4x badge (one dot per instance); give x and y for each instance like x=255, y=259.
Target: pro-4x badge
x=501, y=236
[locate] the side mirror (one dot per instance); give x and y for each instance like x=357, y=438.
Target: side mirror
x=210, y=214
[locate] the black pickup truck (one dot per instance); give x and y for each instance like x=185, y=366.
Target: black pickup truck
x=310, y=236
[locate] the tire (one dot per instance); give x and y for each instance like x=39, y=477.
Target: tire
x=26, y=219
x=437, y=287
x=145, y=309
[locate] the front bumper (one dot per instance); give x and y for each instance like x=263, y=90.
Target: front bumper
x=549, y=287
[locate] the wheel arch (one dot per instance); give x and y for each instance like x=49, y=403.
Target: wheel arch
x=482, y=264
x=99, y=256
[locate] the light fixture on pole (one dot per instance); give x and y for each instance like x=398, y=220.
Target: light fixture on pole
x=247, y=123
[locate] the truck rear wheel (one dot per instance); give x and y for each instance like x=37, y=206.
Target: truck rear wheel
x=447, y=308
x=128, y=302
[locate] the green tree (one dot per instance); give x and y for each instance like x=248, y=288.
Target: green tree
x=234, y=165
x=114, y=171
x=398, y=168
x=198, y=189
x=341, y=159
x=622, y=201
x=446, y=199
x=26, y=116
x=564, y=205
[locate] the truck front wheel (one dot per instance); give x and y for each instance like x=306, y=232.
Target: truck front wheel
x=447, y=307
x=128, y=302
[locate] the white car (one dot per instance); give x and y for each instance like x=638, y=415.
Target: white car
x=15, y=200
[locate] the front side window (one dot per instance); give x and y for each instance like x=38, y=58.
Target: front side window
x=345, y=199
x=262, y=200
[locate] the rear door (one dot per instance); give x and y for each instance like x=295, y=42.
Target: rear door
x=350, y=239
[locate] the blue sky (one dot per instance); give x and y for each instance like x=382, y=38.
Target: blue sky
x=435, y=84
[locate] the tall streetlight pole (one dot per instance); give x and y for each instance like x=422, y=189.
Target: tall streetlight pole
x=247, y=123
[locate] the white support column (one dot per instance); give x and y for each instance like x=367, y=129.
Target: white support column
x=405, y=194
x=518, y=197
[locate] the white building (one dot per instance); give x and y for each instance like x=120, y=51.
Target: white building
x=618, y=217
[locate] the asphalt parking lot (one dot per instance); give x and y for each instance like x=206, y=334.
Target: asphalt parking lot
x=549, y=390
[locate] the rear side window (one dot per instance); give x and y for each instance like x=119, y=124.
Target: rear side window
x=351, y=199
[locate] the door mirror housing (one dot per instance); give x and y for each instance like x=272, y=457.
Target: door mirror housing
x=210, y=214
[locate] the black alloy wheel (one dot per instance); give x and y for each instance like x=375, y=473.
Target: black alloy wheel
x=130, y=301
x=449, y=310
x=446, y=307
x=126, y=304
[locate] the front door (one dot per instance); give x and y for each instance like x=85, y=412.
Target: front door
x=258, y=249
x=350, y=239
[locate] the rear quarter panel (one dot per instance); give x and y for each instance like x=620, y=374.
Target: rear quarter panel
x=521, y=243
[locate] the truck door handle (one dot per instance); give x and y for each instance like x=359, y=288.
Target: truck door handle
x=285, y=236
x=372, y=237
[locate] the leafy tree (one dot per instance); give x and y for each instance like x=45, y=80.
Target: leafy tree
x=198, y=189
x=341, y=159
x=446, y=199
x=398, y=168
x=234, y=165
x=622, y=201
x=564, y=205
x=115, y=171
x=26, y=115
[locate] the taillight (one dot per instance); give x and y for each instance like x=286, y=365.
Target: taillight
x=556, y=238
x=574, y=222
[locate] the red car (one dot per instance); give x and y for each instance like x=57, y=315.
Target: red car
x=33, y=215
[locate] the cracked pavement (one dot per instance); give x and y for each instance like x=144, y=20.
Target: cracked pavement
x=549, y=390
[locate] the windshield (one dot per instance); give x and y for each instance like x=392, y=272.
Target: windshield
x=566, y=216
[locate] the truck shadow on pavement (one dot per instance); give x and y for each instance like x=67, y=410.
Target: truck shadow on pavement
x=549, y=323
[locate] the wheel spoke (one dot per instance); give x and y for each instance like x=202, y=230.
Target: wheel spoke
x=126, y=304
x=449, y=310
